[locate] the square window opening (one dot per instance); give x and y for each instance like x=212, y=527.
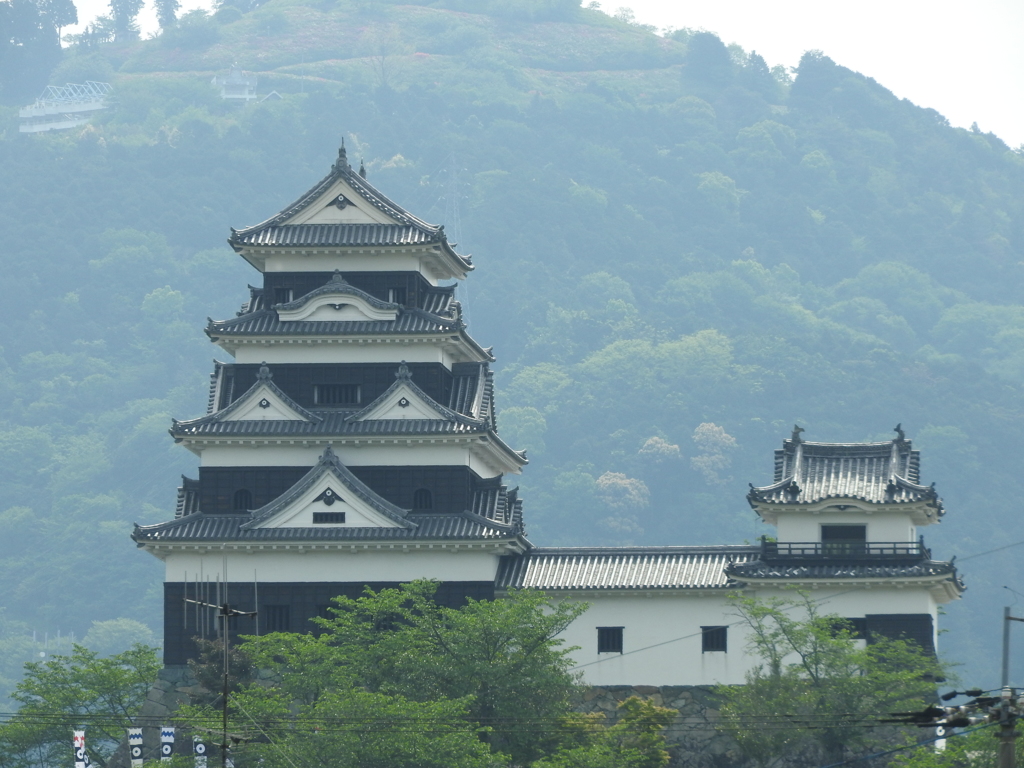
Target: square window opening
x=609, y=639
x=714, y=639
x=278, y=618
x=328, y=518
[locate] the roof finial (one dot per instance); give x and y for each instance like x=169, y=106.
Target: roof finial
x=337, y=277
x=795, y=437
x=264, y=374
x=901, y=436
x=403, y=372
x=362, y=169
x=342, y=155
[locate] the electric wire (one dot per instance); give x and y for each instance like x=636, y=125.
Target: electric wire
x=741, y=622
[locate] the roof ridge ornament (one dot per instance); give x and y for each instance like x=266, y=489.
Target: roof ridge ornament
x=795, y=437
x=339, y=278
x=264, y=374
x=901, y=436
x=403, y=374
x=362, y=169
x=342, y=157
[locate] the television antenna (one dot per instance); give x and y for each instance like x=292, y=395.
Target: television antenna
x=225, y=611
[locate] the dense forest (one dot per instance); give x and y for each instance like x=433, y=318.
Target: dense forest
x=680, y=251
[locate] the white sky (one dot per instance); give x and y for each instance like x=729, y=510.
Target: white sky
x=965, y=59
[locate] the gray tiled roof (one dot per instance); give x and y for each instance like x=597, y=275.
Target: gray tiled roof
x=338, y=234
x=331, y=423
x=615, y=568
x=849, y=570
x=330, y=464
x=265, y=322
x=272, y=233
x=339, y=286
x=806, y=473
x=203, y=527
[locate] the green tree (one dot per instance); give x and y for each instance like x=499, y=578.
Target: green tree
x=972, y=749
x=167, y=12
x=810, y=672
x=82, y=689
x=637, y=740
x=124, y=13
x=500, y=658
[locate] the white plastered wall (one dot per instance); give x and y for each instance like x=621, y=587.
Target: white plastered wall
x=281, y=354
x=280, y=565
x=662, y=632
x=881, y=526
x=405, y=261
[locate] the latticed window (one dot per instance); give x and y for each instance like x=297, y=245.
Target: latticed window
x=609, y=639
x=422, y=499
x=336, y=394
x=242, y=501
x=714, y=639
x=278, y=618
x=326, y=518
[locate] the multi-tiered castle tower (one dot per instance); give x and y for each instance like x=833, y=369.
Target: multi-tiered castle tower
x=352, y=441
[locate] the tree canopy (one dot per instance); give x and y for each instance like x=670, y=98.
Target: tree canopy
x=672, y=245
x=813, y=692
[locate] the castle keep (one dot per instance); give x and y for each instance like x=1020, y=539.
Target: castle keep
x=352, y=441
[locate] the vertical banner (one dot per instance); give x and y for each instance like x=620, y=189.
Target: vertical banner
x=199, y=749
x=166, y=743
x=81, y=756
x=135, y=746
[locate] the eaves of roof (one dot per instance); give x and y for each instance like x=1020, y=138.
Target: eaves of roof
x=622, y=568
x=342, y=171
x=201, y=527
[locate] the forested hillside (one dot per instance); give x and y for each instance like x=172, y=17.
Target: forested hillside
x=680, y=252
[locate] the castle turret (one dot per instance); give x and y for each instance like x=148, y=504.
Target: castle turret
x=356, y=417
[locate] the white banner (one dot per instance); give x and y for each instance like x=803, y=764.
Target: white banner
x=200, y=751
x=135, y=746
x=81, y=756
x=166, y=743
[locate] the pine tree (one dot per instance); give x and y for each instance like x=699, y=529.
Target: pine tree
x=125, y=13
x=167, y=12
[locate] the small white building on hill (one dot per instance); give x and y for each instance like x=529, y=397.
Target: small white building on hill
x=353, y=441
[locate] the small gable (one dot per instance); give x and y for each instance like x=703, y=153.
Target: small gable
x=337, y=307
x=263, y=403
x=327, y=503
x=341, y=204
x=400, y=402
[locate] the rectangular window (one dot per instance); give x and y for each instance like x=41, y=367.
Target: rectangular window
x=278, y=618
x=839, y=540
x=397, y=296
x=336, y=394
x=326, y=518
x=714, y=639
x=283, y=295
x=609, y=639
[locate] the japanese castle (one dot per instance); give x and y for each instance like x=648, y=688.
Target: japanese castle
x=352, y=442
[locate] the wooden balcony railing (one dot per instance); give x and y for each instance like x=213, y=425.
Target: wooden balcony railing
x=844, y=550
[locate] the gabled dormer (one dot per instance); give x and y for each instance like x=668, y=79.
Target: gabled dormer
x=329, y=495
x=866, y=492
x=404, y=400
x=344, y=222
x=263, y=401
x=337, y=301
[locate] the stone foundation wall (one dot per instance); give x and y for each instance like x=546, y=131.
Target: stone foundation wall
x=692, y=738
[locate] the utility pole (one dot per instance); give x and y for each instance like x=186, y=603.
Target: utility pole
x=225, y=612
x=1007, y=710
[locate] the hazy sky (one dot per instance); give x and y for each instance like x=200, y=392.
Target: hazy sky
x=965, y=59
